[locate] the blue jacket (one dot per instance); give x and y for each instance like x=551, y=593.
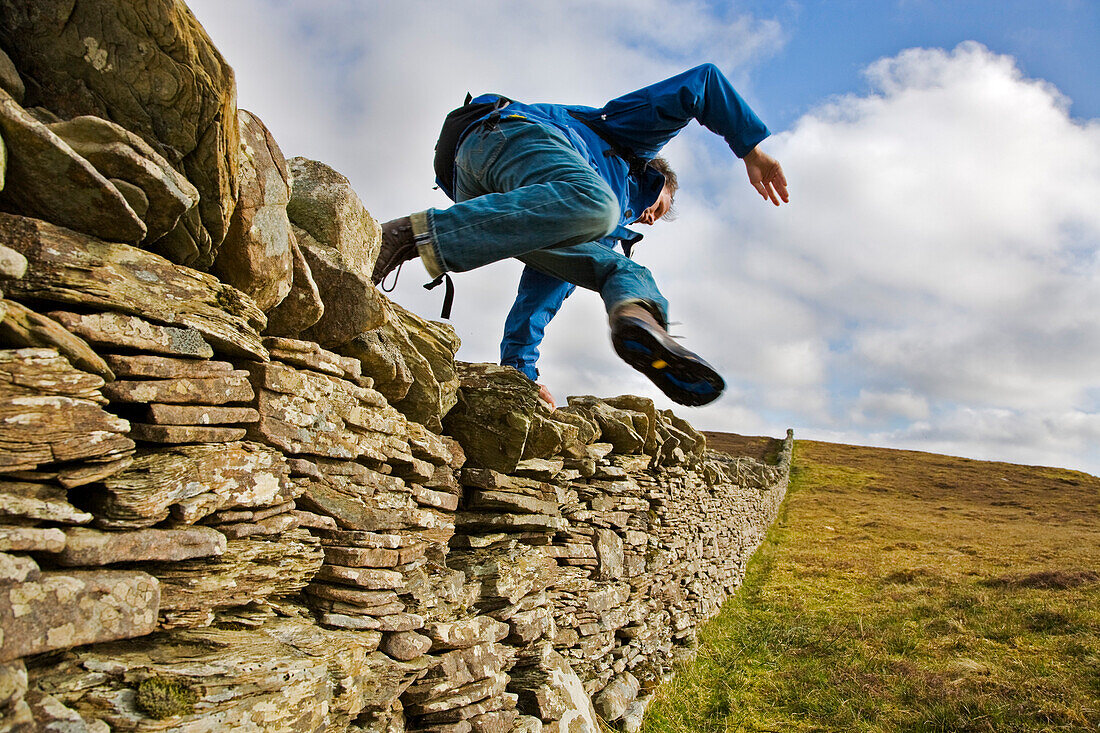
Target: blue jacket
x=617, y=139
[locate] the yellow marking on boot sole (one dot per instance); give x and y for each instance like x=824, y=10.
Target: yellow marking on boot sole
x=659, y=364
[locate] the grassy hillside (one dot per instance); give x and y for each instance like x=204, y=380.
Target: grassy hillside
x=905, y=591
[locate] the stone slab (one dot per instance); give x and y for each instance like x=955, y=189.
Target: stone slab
x=149, y=366
x=181, y=434
x=31, y=539
x=89, y=547
x=232, y=387
x=120, y=329
x=66, y=609
x=200, y=415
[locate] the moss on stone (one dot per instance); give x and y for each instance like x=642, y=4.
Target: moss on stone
x=161, y=697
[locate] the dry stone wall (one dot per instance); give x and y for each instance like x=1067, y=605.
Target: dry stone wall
x=267, y=498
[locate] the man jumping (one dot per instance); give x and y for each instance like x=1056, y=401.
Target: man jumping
x=546, y=183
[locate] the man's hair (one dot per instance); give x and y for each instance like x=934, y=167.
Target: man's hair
x=671, y=183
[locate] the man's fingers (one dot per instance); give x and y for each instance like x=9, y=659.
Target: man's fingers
x=771, y=193
x=777, y=184
x=761, y=190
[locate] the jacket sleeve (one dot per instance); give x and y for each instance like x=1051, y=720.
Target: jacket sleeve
x=538, y=300
x=646, y=119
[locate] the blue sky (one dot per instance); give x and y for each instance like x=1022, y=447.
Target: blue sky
x=933, y=284
x=827, y=43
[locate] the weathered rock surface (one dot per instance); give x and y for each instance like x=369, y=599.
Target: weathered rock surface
x=31, y=539
x=352, y=305
x=465, y=633
x=412, y=362
x=88, y=547
x=47, y=179
x=309, y=355
x=207, y=680
x=68, y=267
x=23, y=500
x=323, y=204
x=256, y=255
x=12, y=264
x=302, y=411
x=124, y=158
x=21, y=327
x=250, y=569
x=9, y=78
x=303, y=306
x=51, y=413
x=200, y=415
x=493, y=414
x=149, y=67
x=405, y=646
x=131, y=332
x=614, y=699
x=149, y=366
x=551, y=690
x=62, y=610
x=197, y=480
x=229, y=387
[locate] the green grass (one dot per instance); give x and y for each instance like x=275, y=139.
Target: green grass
x=902, y=591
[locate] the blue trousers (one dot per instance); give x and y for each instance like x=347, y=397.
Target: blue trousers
x=523, y=191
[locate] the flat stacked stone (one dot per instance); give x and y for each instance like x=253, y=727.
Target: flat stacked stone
x=188, y=483
x=72, y=268
x=175, y=400
x=302, y=411
x=250, y=570
x=466, y=685
x=202, y=680
x=53, y=414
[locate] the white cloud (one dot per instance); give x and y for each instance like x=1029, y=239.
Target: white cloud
x=876, y=407
x=936, y=271
x=945, y=231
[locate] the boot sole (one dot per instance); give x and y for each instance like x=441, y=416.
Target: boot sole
x=681, y=375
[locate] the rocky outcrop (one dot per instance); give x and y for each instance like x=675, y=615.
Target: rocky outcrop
x=212, y=519
x=151, y=68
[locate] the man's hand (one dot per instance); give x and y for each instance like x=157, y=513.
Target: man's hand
x=766, y=175
x=545, y=396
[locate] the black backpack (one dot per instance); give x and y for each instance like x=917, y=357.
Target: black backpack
x=457, y=123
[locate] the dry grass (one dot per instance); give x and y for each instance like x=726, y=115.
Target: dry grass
x=905, y=591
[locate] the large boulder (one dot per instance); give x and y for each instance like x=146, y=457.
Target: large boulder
x=626, y=429
x=428, y=348
x=493, y=415
x=323, y=203
x=352, y=305
x=47, y=179
x=150, y=67
x=339, y=241
x=257, y=254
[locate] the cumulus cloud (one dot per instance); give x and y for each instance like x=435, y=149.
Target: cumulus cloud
x=945, y=233
x=933, y=282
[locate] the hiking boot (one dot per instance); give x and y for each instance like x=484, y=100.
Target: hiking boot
x=643, y=343
x=398, y=247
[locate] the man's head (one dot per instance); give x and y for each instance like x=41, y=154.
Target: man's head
x=662, y=208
